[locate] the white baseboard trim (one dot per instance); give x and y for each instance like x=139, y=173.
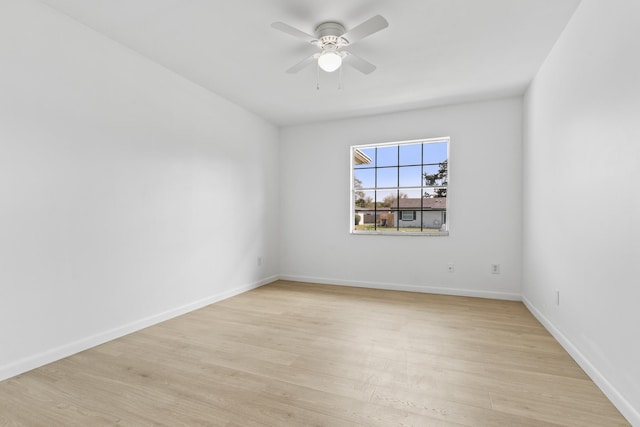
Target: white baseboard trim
x=66, y=350
x=404, y=287
x=624, y=406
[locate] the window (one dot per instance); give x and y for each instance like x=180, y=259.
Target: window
x=400, y=187
x=408, y=215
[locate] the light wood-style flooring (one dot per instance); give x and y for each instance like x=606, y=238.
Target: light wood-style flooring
x=294, y=354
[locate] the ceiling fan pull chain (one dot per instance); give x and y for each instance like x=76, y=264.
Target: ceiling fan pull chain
x=317, y=77
x=340, y=79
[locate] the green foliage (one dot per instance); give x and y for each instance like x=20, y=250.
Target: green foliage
x=367, y=202
x=439, y=178
x=441, y=192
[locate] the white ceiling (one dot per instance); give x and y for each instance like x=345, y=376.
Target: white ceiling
x=434, y=52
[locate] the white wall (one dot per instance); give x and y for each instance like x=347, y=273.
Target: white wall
x=582, y=204
x=127, y=194
x=485, y=204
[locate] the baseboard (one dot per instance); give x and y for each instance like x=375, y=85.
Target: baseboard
x=404, y=287
x=66, y=350
x=624, y=406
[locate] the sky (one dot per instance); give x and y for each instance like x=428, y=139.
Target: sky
x=389, y=164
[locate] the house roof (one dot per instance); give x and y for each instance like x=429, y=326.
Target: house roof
x=359, y=158
x=427, y=203
x=434, y=203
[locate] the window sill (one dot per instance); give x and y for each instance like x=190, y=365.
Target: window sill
x=399, y=233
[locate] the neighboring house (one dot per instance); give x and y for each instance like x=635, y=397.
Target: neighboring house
x=428, y=212
x=433, y=210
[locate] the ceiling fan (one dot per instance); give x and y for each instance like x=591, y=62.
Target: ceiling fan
x=332, y=38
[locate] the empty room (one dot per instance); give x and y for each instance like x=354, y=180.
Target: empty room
x=319, y=213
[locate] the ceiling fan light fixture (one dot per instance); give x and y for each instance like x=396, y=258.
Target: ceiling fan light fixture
x=329, y=61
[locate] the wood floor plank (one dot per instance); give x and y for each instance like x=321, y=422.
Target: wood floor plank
x=298, y=354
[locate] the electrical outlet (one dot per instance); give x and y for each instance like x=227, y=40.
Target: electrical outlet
x=259, y=261
x=557, y=297
x=495, y=268
x=450, y=267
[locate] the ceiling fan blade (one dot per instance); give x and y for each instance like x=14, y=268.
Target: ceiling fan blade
x=358, y=63
x=302, y=64
x=365, y=29
x=286, y=28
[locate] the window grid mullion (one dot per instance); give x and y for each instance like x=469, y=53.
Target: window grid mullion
x=398, y=192
x=422, y=188
x=375, y=194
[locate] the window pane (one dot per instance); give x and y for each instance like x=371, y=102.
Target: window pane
x=431, y=175
x=363, y=199
x=429, y=192
x=433, y=220
x=387, y=177
x=363, y=206
x=411, y=154
x=435, y=152
x=411, y=194
x=388, y=156
x=409, y=220
x=386, y=199
x=410, y=176
x=364, y=157
x=386, y=220
x=364, y=178
x=365, y=220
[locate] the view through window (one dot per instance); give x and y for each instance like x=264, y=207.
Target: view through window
x=400, y=187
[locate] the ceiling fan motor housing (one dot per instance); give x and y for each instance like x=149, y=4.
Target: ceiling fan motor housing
x=329, y=35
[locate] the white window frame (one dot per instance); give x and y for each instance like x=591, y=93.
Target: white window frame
x=352, y=151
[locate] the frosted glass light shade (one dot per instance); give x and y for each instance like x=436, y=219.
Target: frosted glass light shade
x=329, y=61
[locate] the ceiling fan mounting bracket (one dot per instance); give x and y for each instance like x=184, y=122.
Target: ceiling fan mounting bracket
x=330, y=29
